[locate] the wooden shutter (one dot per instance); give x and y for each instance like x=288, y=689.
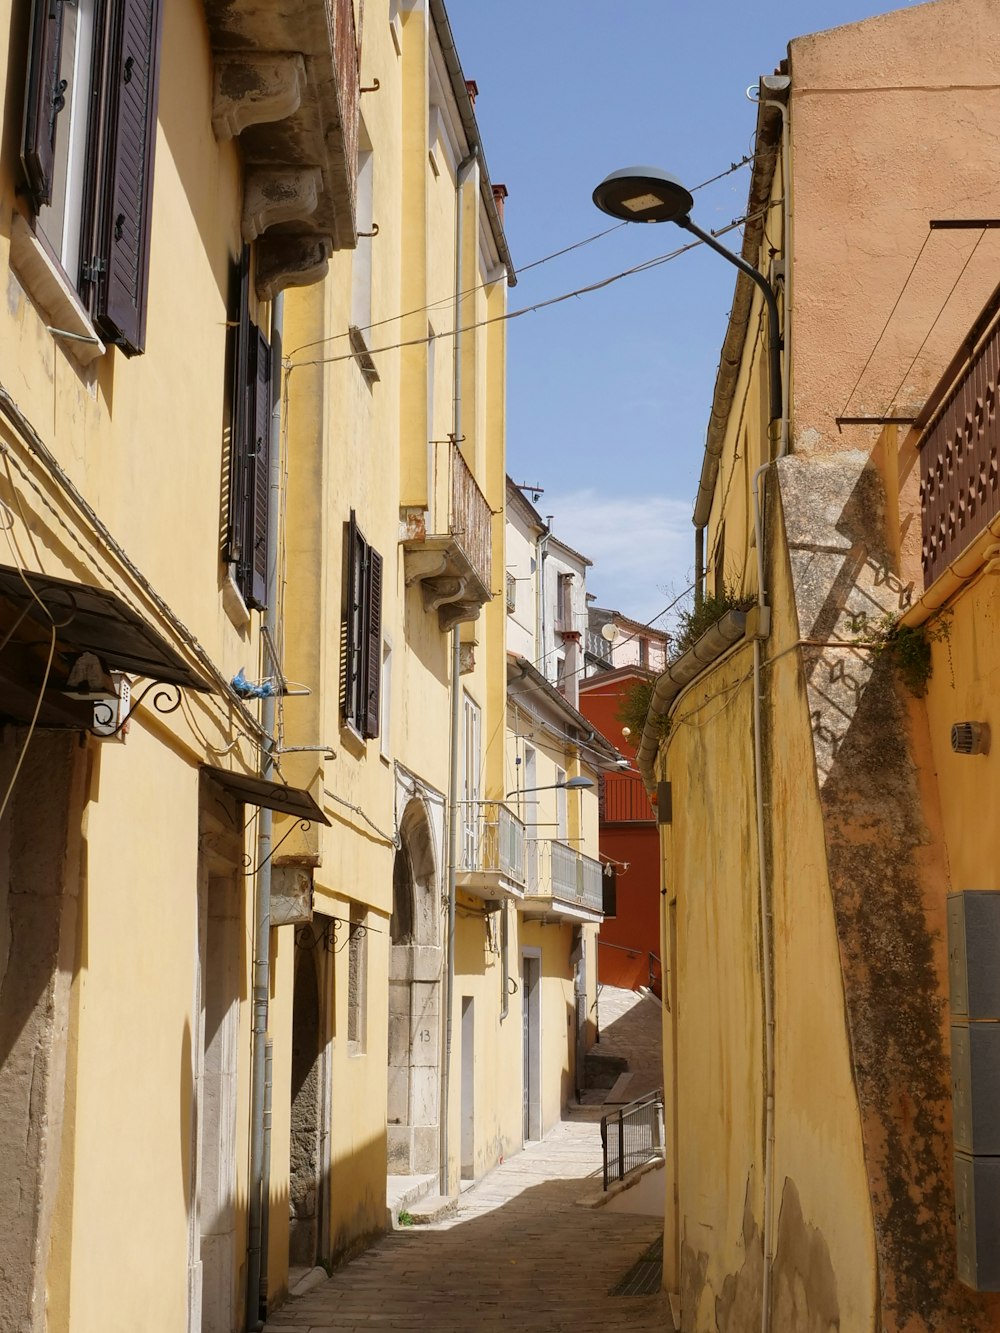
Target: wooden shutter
x=260, y=481
x=45, y=97
x=373, y=647
x=354, y=569
x=127, y=186
x=238, y=546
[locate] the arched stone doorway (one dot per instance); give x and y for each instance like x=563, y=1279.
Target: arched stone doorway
x=414, y=1000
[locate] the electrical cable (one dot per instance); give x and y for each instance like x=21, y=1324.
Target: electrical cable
x=392, y=839
x=522, y=269
x=940, y=312
x=509, y=315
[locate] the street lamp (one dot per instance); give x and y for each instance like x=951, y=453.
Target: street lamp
x=569, y=784
x=647, y=194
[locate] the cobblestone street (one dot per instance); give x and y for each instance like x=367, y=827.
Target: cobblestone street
x=522, y=1252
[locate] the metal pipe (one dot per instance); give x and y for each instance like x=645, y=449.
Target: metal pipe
x=456, y=701
x=766, y=908
x=256, y=1262
x=265, y=1221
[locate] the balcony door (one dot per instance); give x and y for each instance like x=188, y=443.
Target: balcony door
x=471, y=781
x=530, y=811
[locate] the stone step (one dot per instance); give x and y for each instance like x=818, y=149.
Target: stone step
x=619, y=1094
x=432, y=1209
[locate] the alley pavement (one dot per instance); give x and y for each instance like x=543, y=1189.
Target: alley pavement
x=523, y=1251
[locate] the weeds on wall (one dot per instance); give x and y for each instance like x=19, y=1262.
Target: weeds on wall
x=693, y=623
x=633, y=709
x=906, y=647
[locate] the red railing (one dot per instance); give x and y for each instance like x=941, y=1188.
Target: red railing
x=624, y=800
x=959, y=484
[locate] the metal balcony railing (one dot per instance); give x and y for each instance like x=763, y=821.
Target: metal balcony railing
x=560, y=872
x=461, y=509
x=624, y=800
x=493, y=840
x=345, y=42
x=632, y=1136
x=959, y=482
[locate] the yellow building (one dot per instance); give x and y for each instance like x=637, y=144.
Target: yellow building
x=252, y=444
x=815, y=815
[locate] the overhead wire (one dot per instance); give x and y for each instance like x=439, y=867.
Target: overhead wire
x=509, y=315
x=522, y=268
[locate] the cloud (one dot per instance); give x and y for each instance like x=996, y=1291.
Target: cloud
x=642, y=546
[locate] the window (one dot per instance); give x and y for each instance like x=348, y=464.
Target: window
x=564, y=602
x=357, y=982
x=511, y=591
x=250, y=424
x=362, y=634
x=386, y=701
x=562, y=824
x=87, y=151
x=471, y=760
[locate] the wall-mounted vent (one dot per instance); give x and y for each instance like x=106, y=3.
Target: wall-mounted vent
x=970, y=738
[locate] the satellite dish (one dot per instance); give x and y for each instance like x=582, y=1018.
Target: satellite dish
x=609, y=631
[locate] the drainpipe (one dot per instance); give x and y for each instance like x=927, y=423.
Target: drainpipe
x=699, y=567
x=766, y=908
x=541, y=546
x=462, y=176
x=256, y=1258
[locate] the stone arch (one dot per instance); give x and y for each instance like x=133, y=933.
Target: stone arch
x=415, y=999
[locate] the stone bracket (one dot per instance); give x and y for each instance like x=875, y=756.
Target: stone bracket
x=290, y=261
x=252, y=89
x=271, y=197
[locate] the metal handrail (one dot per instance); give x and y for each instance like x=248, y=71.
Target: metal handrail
x=632, y=1136
x=493, y=839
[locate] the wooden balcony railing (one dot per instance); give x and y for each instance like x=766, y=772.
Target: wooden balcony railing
x=959, y=484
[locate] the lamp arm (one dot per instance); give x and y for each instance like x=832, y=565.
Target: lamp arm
x=774, y=327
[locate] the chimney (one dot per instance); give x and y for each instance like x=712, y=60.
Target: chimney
x=499, y=195
x=472, y=88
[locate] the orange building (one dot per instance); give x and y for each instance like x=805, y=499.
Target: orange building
x=628, y=945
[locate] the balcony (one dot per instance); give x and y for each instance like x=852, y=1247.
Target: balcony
x=624, y=800
x=492, y=852
x=448, y=546
x=599, y=648
x=959, y=485
x=562, y=883
x=287, y=86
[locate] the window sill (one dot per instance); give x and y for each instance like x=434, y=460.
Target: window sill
x=352, y=740
x=47, y=285
x=233, y=604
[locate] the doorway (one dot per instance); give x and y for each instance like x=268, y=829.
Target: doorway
x=309, y=1109
x=531, y=968
x=212, y=1283
x=468, y=1088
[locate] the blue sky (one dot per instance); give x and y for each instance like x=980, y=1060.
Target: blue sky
x=608, y=394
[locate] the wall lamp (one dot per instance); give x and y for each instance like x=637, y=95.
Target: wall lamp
x=570, y=784
x=647, y=194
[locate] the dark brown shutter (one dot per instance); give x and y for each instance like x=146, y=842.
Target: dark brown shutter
x=353, y=578
x=127, y=186
x=259, y=473
x=239, y=543
x=373, y=692
x=45, y=97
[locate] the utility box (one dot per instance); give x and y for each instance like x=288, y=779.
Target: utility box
x=975, y=1087
x=977, y=1216
x=974, y=953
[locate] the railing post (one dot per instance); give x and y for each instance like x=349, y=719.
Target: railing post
x=604, y=1147
x=621, y=1146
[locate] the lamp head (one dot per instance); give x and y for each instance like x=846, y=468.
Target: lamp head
x=575, y=784
x=643, y=194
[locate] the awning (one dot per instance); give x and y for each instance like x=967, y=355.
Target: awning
x=92, y=620
x=245, y=787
